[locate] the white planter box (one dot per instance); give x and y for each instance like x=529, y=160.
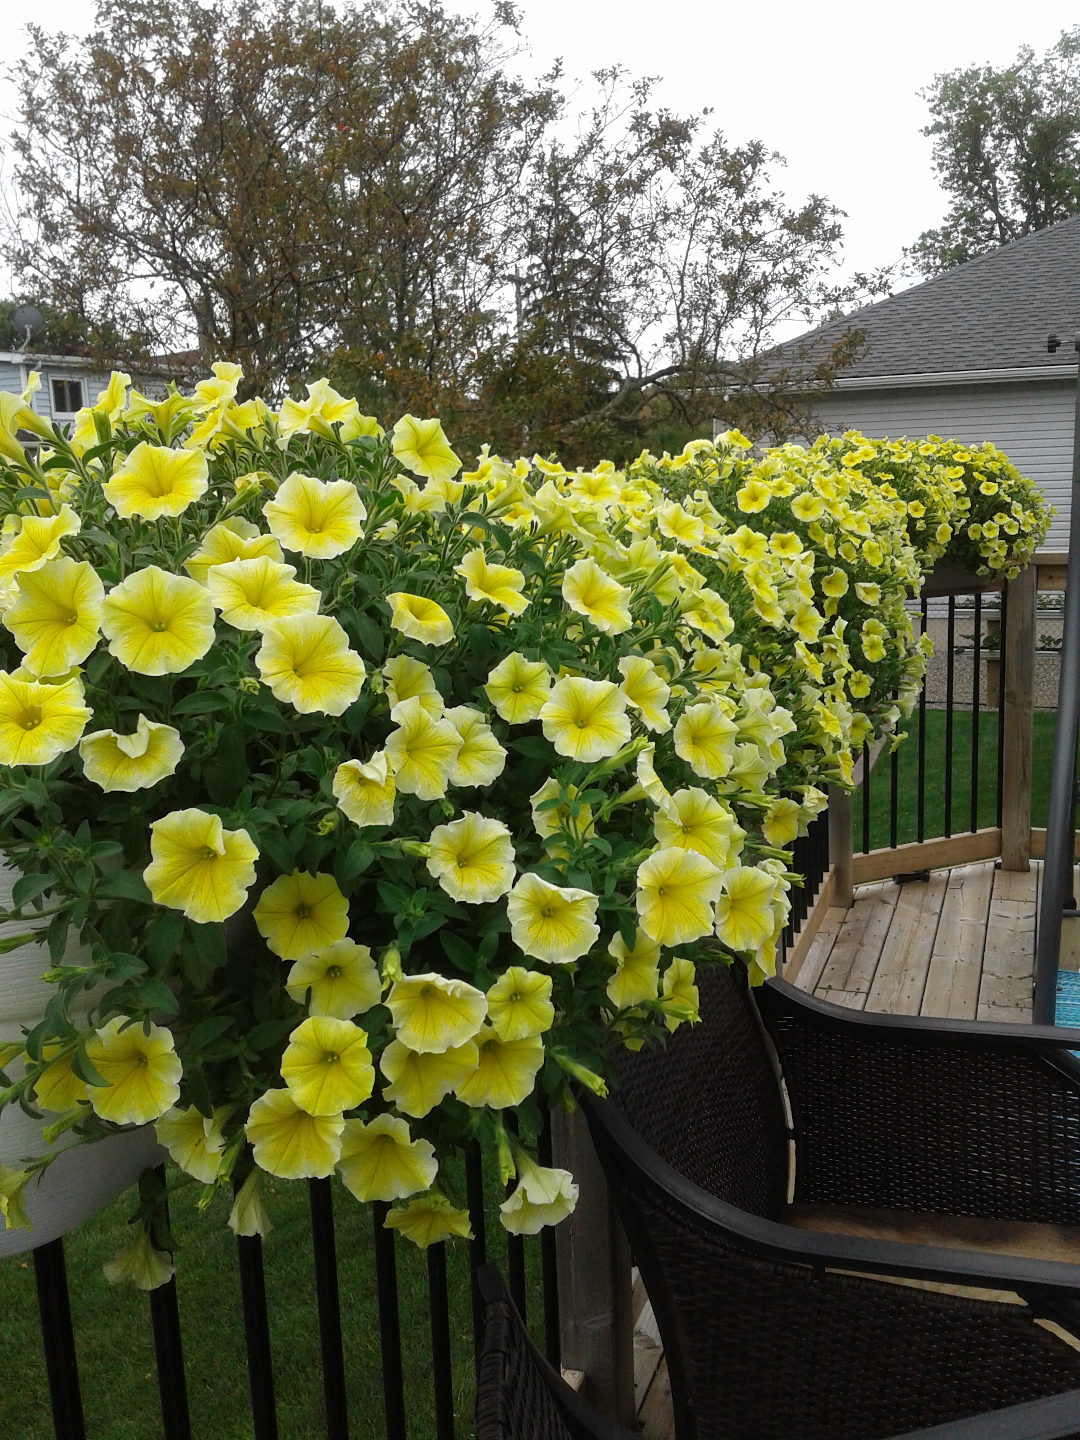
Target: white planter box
x=85, y=1178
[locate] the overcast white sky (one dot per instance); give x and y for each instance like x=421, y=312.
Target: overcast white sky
x=833, y=86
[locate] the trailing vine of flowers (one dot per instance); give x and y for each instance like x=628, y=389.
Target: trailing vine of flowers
x=358, y=801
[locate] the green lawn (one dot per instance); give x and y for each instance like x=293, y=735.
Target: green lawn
x=112, y=1327
x=907, y=759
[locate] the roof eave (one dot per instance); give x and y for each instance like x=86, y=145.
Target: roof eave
x=936, y=378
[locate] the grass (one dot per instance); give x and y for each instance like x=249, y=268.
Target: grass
x=115, y=1348
x=907, y=758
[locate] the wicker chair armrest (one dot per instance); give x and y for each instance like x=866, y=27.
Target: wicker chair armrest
x=906, y=1113
x=1052, y=1288
x=1055, y=1418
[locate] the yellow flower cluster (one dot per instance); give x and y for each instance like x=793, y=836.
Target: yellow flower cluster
x=493, y=758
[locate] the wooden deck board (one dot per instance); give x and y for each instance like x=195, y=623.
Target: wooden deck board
x=952, y=983
x=960, y=945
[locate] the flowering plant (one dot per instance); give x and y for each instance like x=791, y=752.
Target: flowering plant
x=966, y=502
x=358, y=800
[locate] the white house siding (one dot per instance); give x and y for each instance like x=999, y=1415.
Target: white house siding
x=1032, y=422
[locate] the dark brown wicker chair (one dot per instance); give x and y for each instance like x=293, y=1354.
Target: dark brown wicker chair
x=773, y=1331
x=518, y=1395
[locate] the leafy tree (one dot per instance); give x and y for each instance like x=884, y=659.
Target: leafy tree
x=65, y=332
x=1006, y=150
x=369, y=191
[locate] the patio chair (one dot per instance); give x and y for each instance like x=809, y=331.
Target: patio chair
x=853, y=1226
x=518, y=1394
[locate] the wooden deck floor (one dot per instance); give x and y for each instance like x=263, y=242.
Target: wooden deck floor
x=960, y=945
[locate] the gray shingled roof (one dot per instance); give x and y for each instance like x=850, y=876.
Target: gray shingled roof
x=994, y=313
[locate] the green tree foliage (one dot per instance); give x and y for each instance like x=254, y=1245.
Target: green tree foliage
x=1006, y=150
x=371, y=191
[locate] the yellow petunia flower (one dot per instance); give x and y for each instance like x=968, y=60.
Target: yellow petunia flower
x=542, y=1196
x=419, y=1081
x=409, y=679
x=644, y=691
x=551, y=922
x=496, y=584
x=38, y=722
x=141, y=1070
x=753, y=496
x=233, y=539
x=592, y=593
x=429, y=1220
x=781, y=822
x=505, y=1074
x=637, y=976
x=327, y=1066
x=807, y=508
x=317, y=518
x=301, y=914
x=518, y=688
x=248, y=1215
x=194, y=1142
x=422, y=447
x=323, y=408
x=420, y=619
x=157, y=623
x=585, y=719
x=519, y=1004
x=481, y=759
x=252, y=594
x=676, y=891
x=647, y=778
x=693, y=819
x=131, y=762
x=58, y=1088
x=288, y=1142
x=547, y=819
x=785, y=544
x=155, y=480
x=422, y=752
x=433, y=1014
x=472, y=858
x=680, y=1000
x=673, y=522
x=141, y=1263
x=869, y=594
x=744, y=915
x=36, y=541
x=381, y=1160
x=835, y=584
x=198, y=867
x=705, y=739
x=365, y=790
x=57, y=614
x=342, y=981
x=307, y=663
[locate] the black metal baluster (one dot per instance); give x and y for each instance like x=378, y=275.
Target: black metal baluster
x=921, y=789
x=950, y=664
x=976, y=665
x=58, y=1340
x=549, y=1271
x=389, y=1325
x=169, y=1352
x=474, y=1196
x=321, y=1201
x=515, y=1244
x=865, y=797
x=442, y=1370
x=894, y=791
x=257, y=1337
x=1003, y=631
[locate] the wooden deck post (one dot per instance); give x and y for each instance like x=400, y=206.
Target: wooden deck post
x=596, y=1323
x=841, y=847
x=1019, y=700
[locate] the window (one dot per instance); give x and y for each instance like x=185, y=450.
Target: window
x=67, y=396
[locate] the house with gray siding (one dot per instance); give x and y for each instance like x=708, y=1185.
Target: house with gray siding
x=68, y=382
x=964, y=356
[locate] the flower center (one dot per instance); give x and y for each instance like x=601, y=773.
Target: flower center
x=210, y=854
x=516, y=689
x=661, y=891
x=31, y=718
x=333, y=972
x=71, y=618
x=159, y=627
x=547, y=911
x=302, y=912
x=330, y=1058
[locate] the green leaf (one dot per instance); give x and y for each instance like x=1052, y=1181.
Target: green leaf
x=533, y=747
x=81, y=1066
x=198, y=1090
x=357, y=860
x=203, y=702
x=162, y=937
x=208, y=1030
x=29, y=887
x=119, y=966
x=627, y=929
x=209, y=942
x=123, y=885
x=275, y=845
x=227, y=773
x=457, y=951
x=154, y=994
x=370, y=636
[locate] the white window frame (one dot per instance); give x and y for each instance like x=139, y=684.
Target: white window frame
x=66, y=380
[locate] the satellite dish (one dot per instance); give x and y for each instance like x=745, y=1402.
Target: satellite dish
x=29, y=322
